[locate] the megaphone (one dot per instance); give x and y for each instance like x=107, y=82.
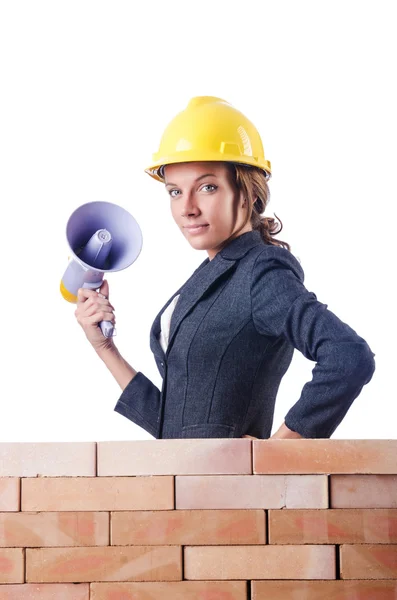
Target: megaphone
x=102, y=236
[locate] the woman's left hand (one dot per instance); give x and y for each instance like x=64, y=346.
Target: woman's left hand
x=250, y=436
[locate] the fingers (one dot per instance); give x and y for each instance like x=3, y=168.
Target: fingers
x=104, y=289
x=93, y=307
x=92, y=315
x=84, y=293
x=98, y=317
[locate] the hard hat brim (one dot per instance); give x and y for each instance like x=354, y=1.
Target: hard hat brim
x=155, y=170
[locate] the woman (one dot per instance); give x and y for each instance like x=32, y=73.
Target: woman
x=237, y=319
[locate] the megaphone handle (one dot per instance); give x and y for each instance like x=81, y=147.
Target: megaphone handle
x=107, y=328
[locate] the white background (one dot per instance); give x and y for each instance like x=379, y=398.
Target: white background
x=87, y=89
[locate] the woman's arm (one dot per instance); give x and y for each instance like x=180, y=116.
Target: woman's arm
x=117, y=365
x=140, y=398
x=284, y=433
x=282, y=306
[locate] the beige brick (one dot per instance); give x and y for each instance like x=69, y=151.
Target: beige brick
x=47, y=459
x=251, y=491
x=175, y=457
x=180, y=590
x=11, y=565
x=45, y=591
x=363, y=491
x=188, y=527
x=368, y=561
x=134, y=563
x=325, y=456
x=333, y=526
x=259, y=562
x=98, y=493
x=324, y=590
x=54, y=529
x=9, y=493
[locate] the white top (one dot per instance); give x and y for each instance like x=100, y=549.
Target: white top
x=165, y=321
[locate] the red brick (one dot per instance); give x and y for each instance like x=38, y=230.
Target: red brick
x=133, y=563
x=188, y=527
x=333, y=526
x=363, y=491
x=325, y=456
x=11, y=565
x=54, y=529
x=324, y=590
x=9, y=493
x=367, y=561
x=45, y=591
x=181, y=590
x=97, y=493
x=175, y=457
x=251, y=491
x=259, y=562
x=47, y=459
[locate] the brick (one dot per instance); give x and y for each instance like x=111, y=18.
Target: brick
x=259, y=562
x=251, y=491
x=363, y=491
x=367, y=561
x=9, y=493
x=326, y=590
x=139, y=563
x=11, y=565
x=175, y=457
x=200, y=527
x=333, y=526
x=181, y=590
x=98, y=493
x=47, y=459
x=54, y=529
x=325, y=456
x=45, y=591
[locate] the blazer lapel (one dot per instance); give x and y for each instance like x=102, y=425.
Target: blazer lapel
x=195, y=287
x=155, y=345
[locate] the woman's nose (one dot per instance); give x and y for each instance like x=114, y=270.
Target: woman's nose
x=189, y=205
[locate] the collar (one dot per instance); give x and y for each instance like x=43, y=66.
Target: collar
x=242, y=244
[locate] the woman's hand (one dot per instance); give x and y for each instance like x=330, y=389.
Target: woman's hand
x=93, y=307
x=250, y=436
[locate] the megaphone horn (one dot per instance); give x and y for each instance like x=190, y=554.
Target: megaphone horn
x=102, y=236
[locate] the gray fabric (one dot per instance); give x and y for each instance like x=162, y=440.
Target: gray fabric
x=232, y=337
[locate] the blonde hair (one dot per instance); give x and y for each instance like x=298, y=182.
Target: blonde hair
x=252, y=182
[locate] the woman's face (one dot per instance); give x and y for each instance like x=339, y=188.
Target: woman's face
x=205, y=203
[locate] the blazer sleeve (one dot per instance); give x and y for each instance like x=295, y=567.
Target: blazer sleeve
x=282, y=306
x=140, y=403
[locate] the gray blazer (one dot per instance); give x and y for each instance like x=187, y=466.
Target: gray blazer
x=232, y=337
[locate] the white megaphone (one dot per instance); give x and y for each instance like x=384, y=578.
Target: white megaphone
x=102, y=237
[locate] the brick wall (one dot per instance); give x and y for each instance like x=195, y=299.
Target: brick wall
x=217, y=519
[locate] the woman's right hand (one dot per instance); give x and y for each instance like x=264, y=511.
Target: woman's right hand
x=93, y=307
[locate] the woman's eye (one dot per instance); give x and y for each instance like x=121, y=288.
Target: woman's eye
x=209, y=185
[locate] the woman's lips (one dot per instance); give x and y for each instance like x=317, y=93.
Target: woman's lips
x=198, y=229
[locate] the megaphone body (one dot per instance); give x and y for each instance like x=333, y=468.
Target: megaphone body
x=102, y=237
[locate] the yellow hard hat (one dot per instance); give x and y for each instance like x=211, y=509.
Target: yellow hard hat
x=209, y=129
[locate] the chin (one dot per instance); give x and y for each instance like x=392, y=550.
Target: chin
x=198, y=245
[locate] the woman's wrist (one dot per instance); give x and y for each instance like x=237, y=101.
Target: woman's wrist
x=117, y=365
x=284, y=433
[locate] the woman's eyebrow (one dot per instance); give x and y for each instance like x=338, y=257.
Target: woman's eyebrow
x=198, y=178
